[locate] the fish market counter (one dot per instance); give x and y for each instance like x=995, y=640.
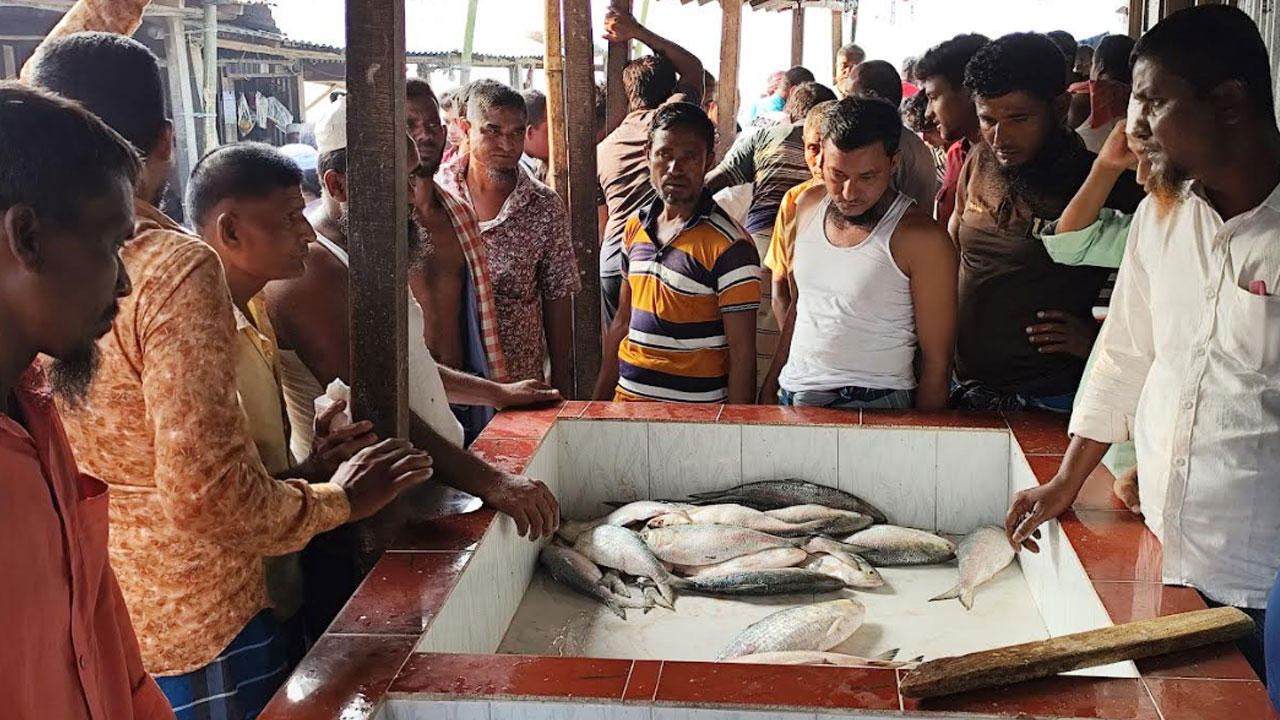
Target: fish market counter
x=457, y=621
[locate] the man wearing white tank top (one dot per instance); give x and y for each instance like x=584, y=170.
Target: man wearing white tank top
x=874, y=277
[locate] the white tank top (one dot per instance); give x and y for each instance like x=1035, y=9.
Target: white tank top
x=427, y=398
x=855, y=321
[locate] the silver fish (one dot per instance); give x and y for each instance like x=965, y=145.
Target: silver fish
x=860, y=571
x=774, y=494
x=763, y=560
x=805, y=657
x=828, y=521
x=851, y=570
x=576, y=571
x=779, y=581
x=634, y=512
x=737, y=516
x=820, y=626
x=985, y=552
x=891, y=545
x=621, y=549
x=708, y=544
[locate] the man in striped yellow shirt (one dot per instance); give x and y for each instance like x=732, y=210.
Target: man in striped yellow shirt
x=685, y=328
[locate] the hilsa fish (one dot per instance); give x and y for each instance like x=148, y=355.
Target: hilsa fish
x=985, y=552
x=817, y=627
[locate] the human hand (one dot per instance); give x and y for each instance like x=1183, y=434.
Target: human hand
x=1031, y=508
x=1062, y=332
x=1126, y=489
x=620, y=26
x=332, y=447
x=1115, y=154
x=525, y=393
x=377, y=474
x=528, y=502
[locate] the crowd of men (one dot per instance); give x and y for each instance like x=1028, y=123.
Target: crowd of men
x=939, y=240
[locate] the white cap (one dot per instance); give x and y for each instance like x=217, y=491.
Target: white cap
x=331, y=128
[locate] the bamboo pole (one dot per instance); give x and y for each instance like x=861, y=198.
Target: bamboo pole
x=837, y=37
x=618, y=55
x=468, y=41
x=727, y=100
x=797, y=35
x=553, y=63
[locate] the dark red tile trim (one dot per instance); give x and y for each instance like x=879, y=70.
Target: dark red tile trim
x=642, y=684
x=402, y=594
x=450, y=533
x=940, y=419
x=652, y=411
x=777, y=686
x=461, y=676
x=1061, y=696
x=507, y=454
x=1211, y=699
x=343, y=676
x=1039, y=433
x=788, y=415
x=523, y=423
x=1113, y=545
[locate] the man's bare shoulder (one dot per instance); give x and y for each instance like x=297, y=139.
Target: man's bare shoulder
x=325, y=275
x=919, y=237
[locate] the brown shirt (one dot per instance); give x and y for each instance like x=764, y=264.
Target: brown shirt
x=622, y=170
x=193, y=511
x=1007, y=276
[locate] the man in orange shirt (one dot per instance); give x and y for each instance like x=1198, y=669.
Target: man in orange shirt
x=66, y=183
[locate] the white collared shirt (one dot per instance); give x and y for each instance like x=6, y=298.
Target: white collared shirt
x=1188, y=365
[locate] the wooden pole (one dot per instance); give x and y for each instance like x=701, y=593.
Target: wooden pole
x=1137, y=18
x=178, y=65
x=618, y=55
x=468, y=41
x=553, y=63
x=837, y=37
x=378, y=205
x=727, y=100
x=209, y=96
x=580, y=89
x=797, y=35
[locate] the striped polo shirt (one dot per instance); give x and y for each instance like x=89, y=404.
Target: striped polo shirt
x=676, y=350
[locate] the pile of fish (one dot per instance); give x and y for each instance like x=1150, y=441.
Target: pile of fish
x=762, y=538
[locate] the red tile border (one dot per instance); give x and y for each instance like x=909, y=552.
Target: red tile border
x=462, y=676
x=939, y=419
x=1211, y=699
x=507, y=454
x=788, y=415
x=1097, y=492
x=343, y=676
x=777, y=686
x=1061, y=696
x=450, y=533
x=573, y=408
x=402, y=594
x=533, y=423
x=652, y=411
x=642, y=685
x=1039, y=433
x=1113, y=545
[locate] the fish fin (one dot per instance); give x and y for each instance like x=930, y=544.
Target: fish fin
x=709, y=494
x=615, y=504
x=885, y=656
x=615, y=607
x=680, y=583
x=661, y=596
x=951, y=594
x=917, y=659
x=966, y=598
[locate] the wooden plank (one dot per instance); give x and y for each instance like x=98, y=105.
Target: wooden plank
x=1172, y=6
x=1028, y=661
x=377, y=208
x=619, y=54
x=837, y=37
x=580, y=92
x=558, y=165
x=727, y=100
x=1137, y=18
x=797, y=35
x=178, y=66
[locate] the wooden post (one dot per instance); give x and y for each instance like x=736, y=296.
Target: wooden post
x=553, y=63
x=1137, y=18
x=513, y=76
x=618, y=55
x=378, y=206
x=727, y=100
x=837, y=37
x=797, y=35
x=178, y=65
x=580, y=90
x=853, y=25
x=468, y=41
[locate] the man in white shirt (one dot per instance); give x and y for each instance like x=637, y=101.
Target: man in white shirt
x=1189, y=360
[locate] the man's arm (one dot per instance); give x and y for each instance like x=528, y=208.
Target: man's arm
x=557, y=321
x=557, y=278
x=737, y=274
x=930, y=262
x=623, y=26
x=607, y=382
x=740, y=333
x=1112, y=161
x=770, y=387
x=467, y=389
x=737, y=168
x=778, y=257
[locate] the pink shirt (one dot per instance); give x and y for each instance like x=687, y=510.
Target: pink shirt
x=68, y=649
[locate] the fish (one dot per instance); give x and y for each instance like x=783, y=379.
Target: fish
x=817, y=627
x=708, y=544
x=573, y=569
x=633, y=512
x=829, y=521
x=891, y=546
x=615, y=583
x=983, y=553
x=655, y=597
x=807, y=657
x=621, y=549
x=851, y=570
x=775, y=494
x=856, y=567
x=778, y=581
x=738, y=516
x=764, y=560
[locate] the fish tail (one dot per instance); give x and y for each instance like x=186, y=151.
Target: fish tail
x=966, y=598
x=951, y=594
x=885, y=656
x=615, y=607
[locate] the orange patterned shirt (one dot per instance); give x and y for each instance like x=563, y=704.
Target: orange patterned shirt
x=193, y=511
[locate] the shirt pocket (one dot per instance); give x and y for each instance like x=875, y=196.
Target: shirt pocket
x=1253, y=330
x=91, y=523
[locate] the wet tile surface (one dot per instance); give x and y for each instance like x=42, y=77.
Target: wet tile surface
x=402, y=594
x=652, y=411
x=507, y=454
x=532, y=423
x=642, y=685
x=773, y=685
x=508, y=675
x=1211, y=700
x=940, y=419
x=462, y=531
x=344, y=676
x=1113, y=545
x=1039, y=433
x=788, y=415
x=573, y=408
x=1067, y=697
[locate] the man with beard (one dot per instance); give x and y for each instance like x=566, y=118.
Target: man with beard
x=915, y=172
x=847, y=58
x=941, y=74
x=196, y=512
x=1025, y=324
x=874, y=277
x=526, y=236
x=66, y=187
x=1189, y=363
x=685, y=329
x=311, y=318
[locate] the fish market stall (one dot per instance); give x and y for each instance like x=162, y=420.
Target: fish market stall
x=688, y=581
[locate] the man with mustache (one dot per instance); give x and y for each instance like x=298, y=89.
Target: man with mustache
x=1025, y=323
x=1189, y=359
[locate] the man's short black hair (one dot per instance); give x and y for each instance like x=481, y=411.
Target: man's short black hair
x=949, y=58
x=860, y=121
x=914, y=111
x=804, y=96
x=685, y=116
x=1067, y=44
x=1111, y=59
x=1208, y=45
x=535, y=105
x=648, y=81
x=797, y=75
x=853, y=51
x=237, y=170
x=878, y=78
x=1021, y=62
x=415, y=88
x=54, y=154
x=709, y=88
x=335, y=160
x=486, y=96
x=114, y=77
x=448, y=99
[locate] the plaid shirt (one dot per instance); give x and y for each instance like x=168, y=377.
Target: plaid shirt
x=467, y=228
